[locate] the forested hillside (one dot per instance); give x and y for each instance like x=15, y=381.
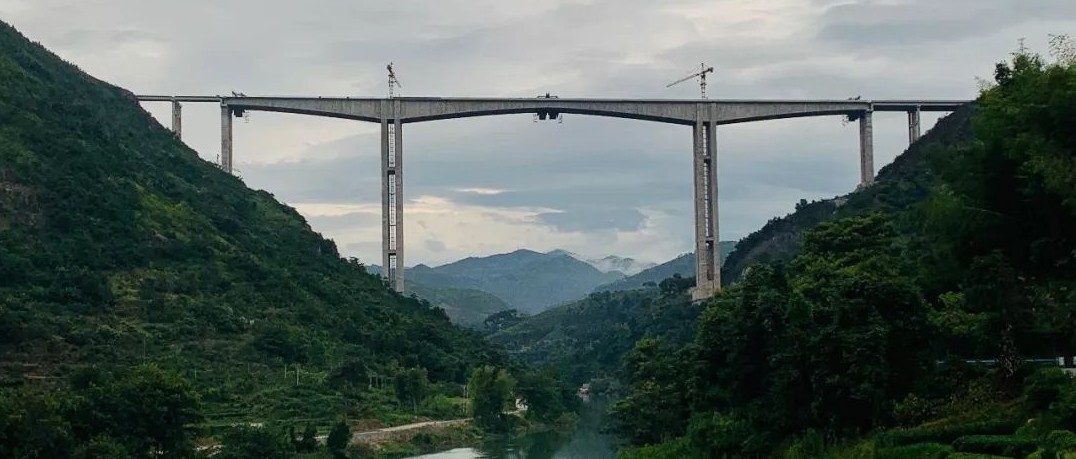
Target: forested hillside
x=120, y=247
x=898, y=187
x=911, y=330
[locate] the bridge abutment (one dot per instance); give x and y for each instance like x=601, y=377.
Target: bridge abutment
x=707, y=250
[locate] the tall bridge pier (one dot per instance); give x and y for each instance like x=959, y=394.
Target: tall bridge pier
x=703, y=116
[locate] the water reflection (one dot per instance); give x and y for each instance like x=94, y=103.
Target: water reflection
x=586, y=442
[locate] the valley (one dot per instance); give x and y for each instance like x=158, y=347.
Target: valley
x=152, y=305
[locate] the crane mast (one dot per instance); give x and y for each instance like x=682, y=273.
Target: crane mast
x=701, y=75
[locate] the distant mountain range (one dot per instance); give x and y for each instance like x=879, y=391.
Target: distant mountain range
x=525, y=280
x=612, y=263
x=471, y=289
x=683, y=265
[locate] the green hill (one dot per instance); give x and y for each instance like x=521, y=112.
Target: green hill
x=464, y=306
x=527, y=280
x=899, y=186
x=119, y=246
x=588, y=338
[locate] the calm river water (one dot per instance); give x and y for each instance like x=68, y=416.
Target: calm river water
x=586, y=442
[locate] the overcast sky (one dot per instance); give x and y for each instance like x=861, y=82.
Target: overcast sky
x=591, y=185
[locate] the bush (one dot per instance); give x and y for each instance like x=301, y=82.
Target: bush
x=914, y=410
x=1044, y=387
x=916, y=451
x=947, y=433
x=1003, y=445
x=976, y=456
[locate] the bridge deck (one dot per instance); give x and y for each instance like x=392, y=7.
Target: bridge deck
x=675, y=111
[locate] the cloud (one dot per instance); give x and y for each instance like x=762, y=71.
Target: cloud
x=590, y=185
x=627, y=220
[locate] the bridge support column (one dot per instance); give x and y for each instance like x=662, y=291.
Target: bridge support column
x=392, y=201
x=226, y=138
x=707, y=250
x=866, y=148
x=177, y=118
x=914, y=131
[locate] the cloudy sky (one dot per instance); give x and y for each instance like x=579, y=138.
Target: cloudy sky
x=595, y=186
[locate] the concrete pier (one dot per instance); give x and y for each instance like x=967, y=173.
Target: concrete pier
x=392, y=198
x=914, y=130
x=177, y=118
x=707, y=251
x=866, y=148
x=226, y=138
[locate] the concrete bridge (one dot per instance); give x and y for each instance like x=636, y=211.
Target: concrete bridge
x=704, y=116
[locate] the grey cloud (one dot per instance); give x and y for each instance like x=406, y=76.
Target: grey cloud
x=868, y=24
x=602, y=219
x=593, y=48
x=435, y=246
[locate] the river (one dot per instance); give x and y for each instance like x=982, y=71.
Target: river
x=586, y=442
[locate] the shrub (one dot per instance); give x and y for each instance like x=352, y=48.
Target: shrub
x=914, y=410
x=1044, y=387
x=976, y=456
x=1004, y=445
x=947, y=433
x=916, y=451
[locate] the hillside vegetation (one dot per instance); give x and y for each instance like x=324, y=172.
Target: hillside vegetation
x=871, y=341
x=120, y=247
x=898, y=187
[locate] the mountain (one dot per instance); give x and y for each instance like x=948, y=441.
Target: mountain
x=527, y=280
x=683, y=265
x=588, y=338
x=612, y=263
x=464, y=306
x=898, y=188
x=120, y=246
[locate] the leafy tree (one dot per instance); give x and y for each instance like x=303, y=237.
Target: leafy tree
x=546, y=394
x=309, y=441
x=151, y=411
x=339, y=438
x=249, y=442
x=501, y=320
x=32, y=425
x=491, y=390
x=412, y=386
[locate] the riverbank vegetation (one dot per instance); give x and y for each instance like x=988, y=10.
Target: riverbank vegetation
x=899, y=333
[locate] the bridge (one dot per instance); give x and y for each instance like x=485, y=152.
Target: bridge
x=704, y=116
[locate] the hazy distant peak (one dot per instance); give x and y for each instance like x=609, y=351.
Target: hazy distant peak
x=609, y=263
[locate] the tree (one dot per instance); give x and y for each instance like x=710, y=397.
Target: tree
x=491, y=390
x=412, y=386
x=248, y=442
x=547, y=395
x=339, y=438
x=151, y=411
x=309, y=441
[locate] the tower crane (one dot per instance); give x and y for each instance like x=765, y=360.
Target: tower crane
x=393, y=81
x=701, y=75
